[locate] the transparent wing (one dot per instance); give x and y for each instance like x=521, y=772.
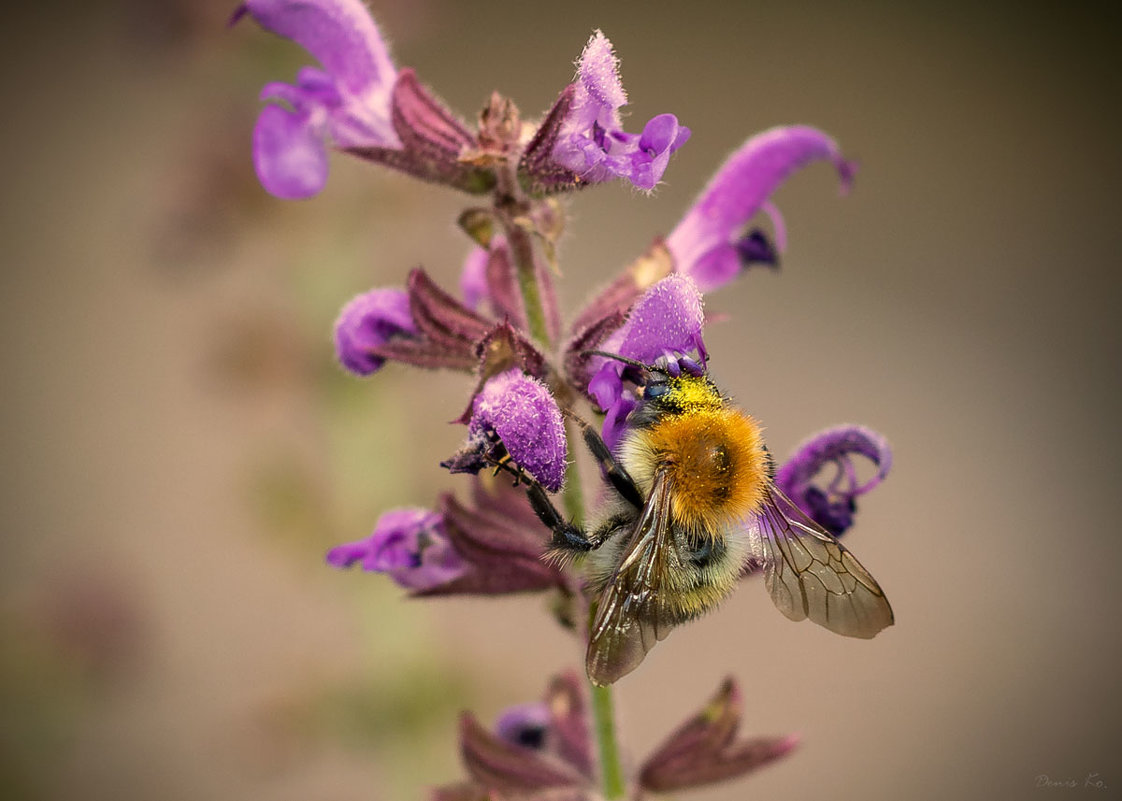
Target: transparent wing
x=628, y=622
x=809, y=574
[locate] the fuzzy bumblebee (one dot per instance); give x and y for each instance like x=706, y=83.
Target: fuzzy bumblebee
x=695, y=508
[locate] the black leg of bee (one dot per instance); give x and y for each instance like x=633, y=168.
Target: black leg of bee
x=615, y=472
x=565, y=534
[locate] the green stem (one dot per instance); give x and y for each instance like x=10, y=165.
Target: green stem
x=611, y=773
x=522, y=251
x=510, y=204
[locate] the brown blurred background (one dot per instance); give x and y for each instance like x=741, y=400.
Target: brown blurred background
x=179, y=448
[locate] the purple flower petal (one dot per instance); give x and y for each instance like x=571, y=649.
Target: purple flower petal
x=520, y=411
x=410, y=545
x=665, y=323
x=289, y=156
x=526, y=725
x=585, y=137
x=832, y=506
x=473, y=278
x=705, y=242
x=367, y=322
x=349, y=105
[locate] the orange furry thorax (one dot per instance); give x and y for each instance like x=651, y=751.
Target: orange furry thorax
x=715, y=462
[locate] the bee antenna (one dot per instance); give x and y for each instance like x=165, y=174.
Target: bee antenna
x=650, y=368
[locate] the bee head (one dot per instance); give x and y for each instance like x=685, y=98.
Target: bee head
x=654, y=378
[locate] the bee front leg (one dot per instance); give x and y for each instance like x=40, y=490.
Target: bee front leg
x=567, y=536
x=615, y=472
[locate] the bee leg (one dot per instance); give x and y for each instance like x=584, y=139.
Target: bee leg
x=614, y=471
x=568, y=538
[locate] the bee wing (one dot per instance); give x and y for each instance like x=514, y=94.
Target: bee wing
x=810, y=574
x=628, y=623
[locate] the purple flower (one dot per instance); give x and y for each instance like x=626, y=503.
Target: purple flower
x=347, y=103
x=665, y=323
x=410, y=545
x=582, y=139
x=834, y=504
x=368, y=322
x=538, y=752
x=514, y=415
x=709, y=244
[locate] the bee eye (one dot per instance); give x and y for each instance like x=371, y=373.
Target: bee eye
x=655, y=390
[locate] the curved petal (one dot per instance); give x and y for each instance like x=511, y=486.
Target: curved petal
x=340, y=34
x=704, y=243
x=368, y=321
x=833, y=505
x=289, y=154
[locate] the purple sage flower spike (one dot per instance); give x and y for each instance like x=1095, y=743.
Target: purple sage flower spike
x=367, y=322
x=410, y=546
x=582, y=139
x=664, y=323
x=708, y=244
x=705, y=748
x=347, y=103
x=514, y=416
x=833, y=505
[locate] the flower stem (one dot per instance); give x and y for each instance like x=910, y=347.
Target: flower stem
x=611, y=773
x=510, y=210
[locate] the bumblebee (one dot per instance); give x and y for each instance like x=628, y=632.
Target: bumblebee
x=695, y=508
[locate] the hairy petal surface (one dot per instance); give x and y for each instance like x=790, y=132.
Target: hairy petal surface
x=514, y=414
x=666, y=322
x=709, y=244
x=582, y=139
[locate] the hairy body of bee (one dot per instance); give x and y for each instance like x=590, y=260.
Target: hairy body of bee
x=715, y=461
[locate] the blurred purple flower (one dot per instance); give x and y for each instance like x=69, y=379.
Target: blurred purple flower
x=491, y=546
x=705, y=748
x=665, y=323
x=709, y=244
x=582, y=139
x=833, y=505
x=347, y=103
x=367, y=322
x=409, y=545
x=538, y=752
x=514, y=415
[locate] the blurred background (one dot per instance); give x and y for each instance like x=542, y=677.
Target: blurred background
x=180, y=449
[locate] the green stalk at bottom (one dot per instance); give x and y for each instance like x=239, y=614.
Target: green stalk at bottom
x=611, y=772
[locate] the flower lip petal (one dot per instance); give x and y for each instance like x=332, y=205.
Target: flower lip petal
x=289, y=156
x=739, y=189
